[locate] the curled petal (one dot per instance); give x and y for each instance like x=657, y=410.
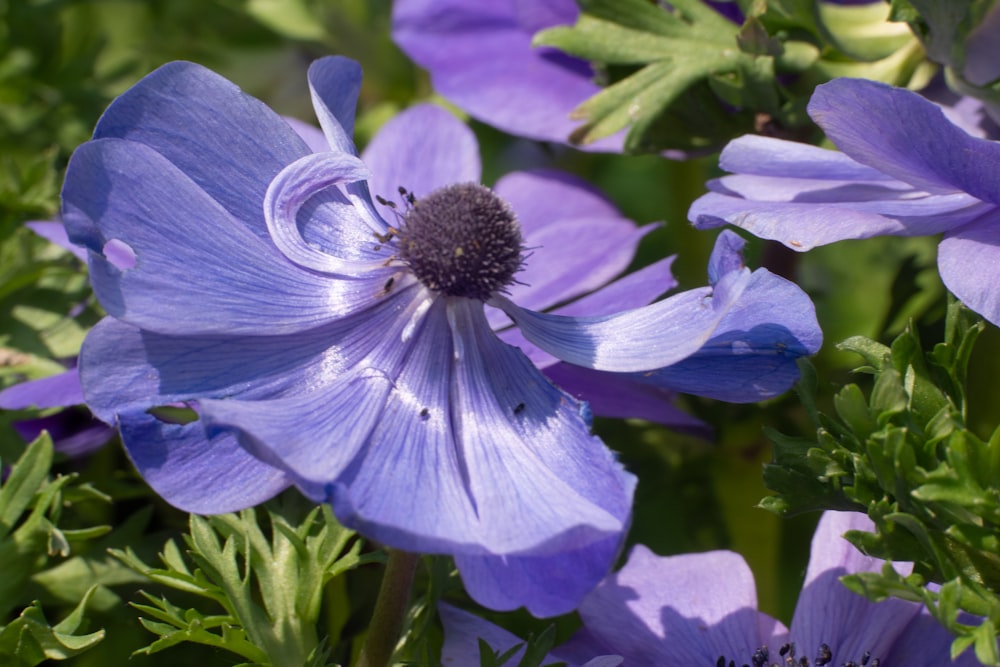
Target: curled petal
x=335, y=83
x=292, y=189
x=56, y=391
x=175, y=232
x=636, y=340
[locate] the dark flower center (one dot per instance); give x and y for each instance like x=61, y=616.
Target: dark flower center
x=462, y=240
x=787, y=658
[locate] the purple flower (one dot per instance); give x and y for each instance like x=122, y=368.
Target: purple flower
x=74, y=430
x=905, y=170
x=323, y=347
x=701, y=609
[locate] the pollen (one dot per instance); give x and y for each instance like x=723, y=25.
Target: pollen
x=462, y=240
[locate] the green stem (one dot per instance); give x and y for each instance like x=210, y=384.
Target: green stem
x=390, y=609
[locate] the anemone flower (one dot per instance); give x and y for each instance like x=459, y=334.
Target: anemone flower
x=701, y=609
x=913, y=178
x=320, y=346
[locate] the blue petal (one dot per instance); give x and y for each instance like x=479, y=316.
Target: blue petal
x=751, y=356
x=862, y=118
x=335, y=82
x=469, y=423
x=547, y=584
x=294, y=187
x=194, y=472
x=227, y=142
x=422, y=149
x=55, y=391
x=197, y=270
x=636, y=340
x=968, y=260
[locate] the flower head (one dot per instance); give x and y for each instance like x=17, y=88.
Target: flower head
x=330, y=321
x=701, y=609
x=905, y=169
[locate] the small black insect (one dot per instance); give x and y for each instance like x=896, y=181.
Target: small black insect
x=425, y=414
x=519, y=408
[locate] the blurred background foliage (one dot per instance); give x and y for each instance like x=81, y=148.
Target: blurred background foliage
x=62, y=61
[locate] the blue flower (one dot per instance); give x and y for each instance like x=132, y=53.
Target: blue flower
x=905, y=170
x=326, y=318
x=701, y=609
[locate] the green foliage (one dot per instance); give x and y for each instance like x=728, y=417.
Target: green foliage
x=905, y=456
x=690, y=79
x=266, y=581
x=30, y=507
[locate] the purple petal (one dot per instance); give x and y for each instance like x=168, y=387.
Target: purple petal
x=462, y=632
x=767, y=156
x=310, y=134
x=626, y=397
x=125, y=368
x=827, y=612
x=287, y=196
x=227, y=142
x=75, y=432
x=55, y=232
x=306, y=435
x=636, y=340
x=826, y=217
x=751, y=356
x=547, y=584
x=194, y=472
x=55, y=391
x=927, y=151
x=577, y=240
x=556, y=497
x=925, y=643
x=683, y=610
x=421, y=149
x=123, y=191
x=544, y=196
x=727, y=256
x=335, y=83
x=481, y=58
x=969, y=263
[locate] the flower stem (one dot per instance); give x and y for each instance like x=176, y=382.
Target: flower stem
x=390, y=609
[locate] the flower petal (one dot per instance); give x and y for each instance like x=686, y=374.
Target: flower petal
x=767, y=156
x=454, y=439
x=421, y=149
x=927, y=151
x=481, y=58
x=306, y=435
x=335, y=83
x=55, y=391
x=827, y=612
x=547, y=585
x=124, y=192
x=541, y=197
x=463, y=632
x=623, y=396
x=969, y=263
x=635, y=340
x=684, y=610
x=196, y=473
x=226, y=141
x=824, y=218
x=286, y=200
x=751, y=356
x=55, y=232
x=75, y=431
